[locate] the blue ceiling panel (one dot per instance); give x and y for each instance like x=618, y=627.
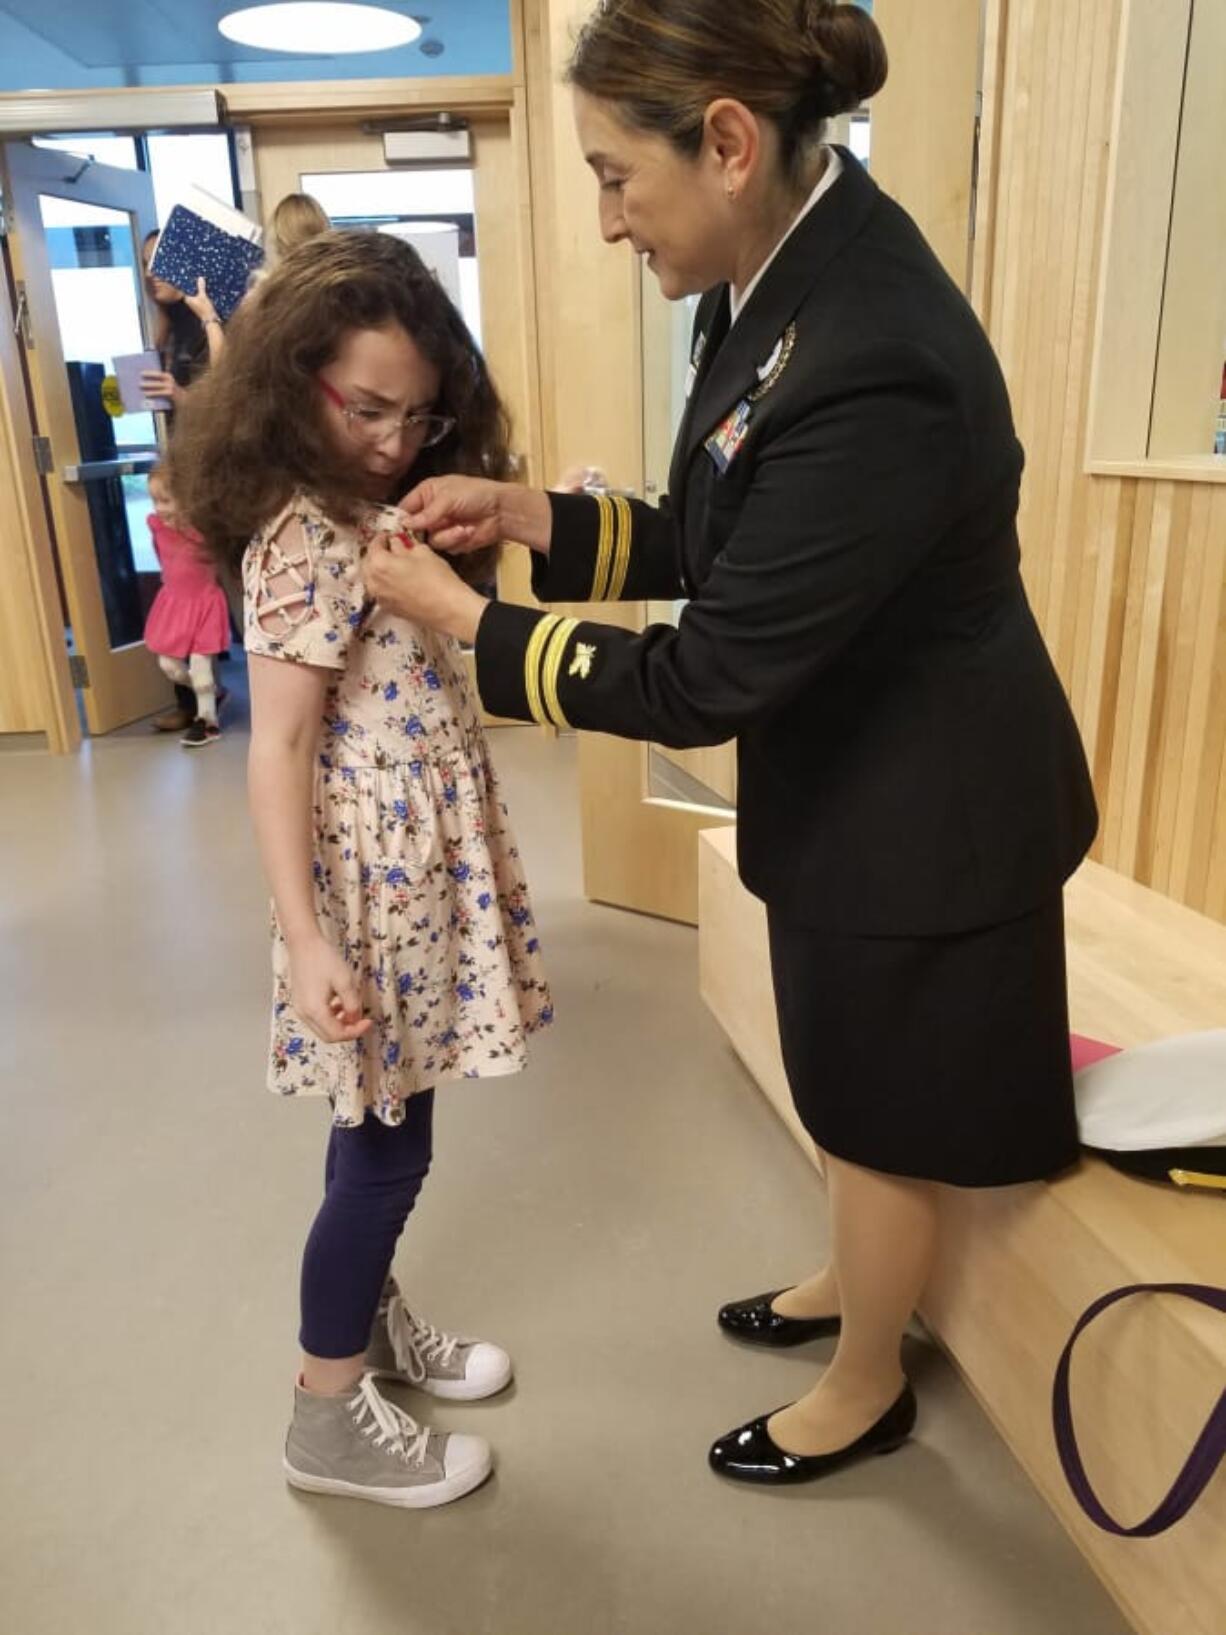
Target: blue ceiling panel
x=87, y=44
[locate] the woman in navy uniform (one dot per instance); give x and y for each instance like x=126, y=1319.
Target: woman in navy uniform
x=913, y=790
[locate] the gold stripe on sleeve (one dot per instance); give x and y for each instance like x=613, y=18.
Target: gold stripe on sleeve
x=604, y=552
x=621, y=559
x=532, y=664
x=552, y=666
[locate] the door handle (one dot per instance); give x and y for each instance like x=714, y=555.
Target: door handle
x=89, y=471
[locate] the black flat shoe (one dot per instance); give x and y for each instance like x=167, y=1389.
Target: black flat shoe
x=749, y=1455
x=755, y=1321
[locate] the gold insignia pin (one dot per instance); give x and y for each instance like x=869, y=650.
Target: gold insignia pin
x=581, y=664
x=771, y=372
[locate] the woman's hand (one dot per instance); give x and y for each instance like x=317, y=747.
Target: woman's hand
x=468, y=513
x=157, y=383
x=324, y=992
x=459, y=513
x=409, y=579
x=201, y=305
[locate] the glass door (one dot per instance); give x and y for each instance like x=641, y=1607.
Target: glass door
x=644, y=805
x=76, y=229
x=695, y=777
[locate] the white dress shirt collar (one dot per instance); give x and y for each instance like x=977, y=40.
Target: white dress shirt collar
x=830, y=175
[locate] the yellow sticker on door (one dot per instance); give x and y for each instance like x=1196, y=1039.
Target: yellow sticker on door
x=111, y=400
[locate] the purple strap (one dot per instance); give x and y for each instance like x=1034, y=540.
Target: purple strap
x=1201, y=1462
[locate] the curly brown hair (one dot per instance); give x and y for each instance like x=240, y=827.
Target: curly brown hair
x=253, y=430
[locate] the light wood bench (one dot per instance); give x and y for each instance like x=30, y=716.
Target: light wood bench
x=1020, y=1264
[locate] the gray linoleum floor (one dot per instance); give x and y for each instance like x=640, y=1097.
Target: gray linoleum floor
x=591, y=1215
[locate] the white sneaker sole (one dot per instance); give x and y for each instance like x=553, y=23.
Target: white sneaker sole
x=449, y=1390
x=425, y=1497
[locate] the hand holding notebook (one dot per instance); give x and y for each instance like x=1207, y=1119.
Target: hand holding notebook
x=204, y=238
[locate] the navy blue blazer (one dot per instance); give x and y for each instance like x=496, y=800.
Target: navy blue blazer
x=842, y=517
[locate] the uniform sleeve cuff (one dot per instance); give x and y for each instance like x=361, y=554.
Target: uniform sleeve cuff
x=589, y=550
x=503, y=639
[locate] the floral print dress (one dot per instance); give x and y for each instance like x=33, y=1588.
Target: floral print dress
x=417, y=878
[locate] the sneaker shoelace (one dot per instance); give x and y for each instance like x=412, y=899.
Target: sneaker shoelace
x=388, y=1426
x=415, y=1344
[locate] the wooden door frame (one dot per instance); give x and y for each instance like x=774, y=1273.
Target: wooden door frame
x=128, y=685
x=30, y=572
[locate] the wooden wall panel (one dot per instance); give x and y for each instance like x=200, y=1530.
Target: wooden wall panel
x=1126, y=575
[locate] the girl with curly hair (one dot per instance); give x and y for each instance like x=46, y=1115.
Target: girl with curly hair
x=404, y=952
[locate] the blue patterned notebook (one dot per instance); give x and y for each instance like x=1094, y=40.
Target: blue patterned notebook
x=192, y=247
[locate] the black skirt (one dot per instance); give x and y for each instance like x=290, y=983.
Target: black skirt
x=941, y=1058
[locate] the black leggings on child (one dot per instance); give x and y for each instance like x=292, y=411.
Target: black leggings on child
x=372, y=1177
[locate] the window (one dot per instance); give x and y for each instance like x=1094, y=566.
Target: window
x=433, y=209
x=203, y=160
x=1157, y=396
x=120, y=151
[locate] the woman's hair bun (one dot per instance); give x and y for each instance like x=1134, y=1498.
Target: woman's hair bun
x=849, y=52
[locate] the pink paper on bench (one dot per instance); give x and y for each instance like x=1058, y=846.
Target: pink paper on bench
x=1087, y=1051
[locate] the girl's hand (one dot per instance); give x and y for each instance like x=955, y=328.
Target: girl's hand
x=325, y=994
x=157, y=383
x=201, y=305
x=409, y=579
x=459, y=513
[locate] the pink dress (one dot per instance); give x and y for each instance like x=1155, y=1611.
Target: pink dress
x=189, y=614
x=417, y=875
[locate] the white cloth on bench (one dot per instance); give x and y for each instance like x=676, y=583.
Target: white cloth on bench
x=1171, y=1093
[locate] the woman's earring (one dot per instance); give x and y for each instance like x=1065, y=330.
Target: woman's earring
x=731, y=191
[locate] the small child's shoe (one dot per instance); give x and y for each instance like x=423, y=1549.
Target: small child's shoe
x=360, y=1446
x=200, y=733
x=404, y=1348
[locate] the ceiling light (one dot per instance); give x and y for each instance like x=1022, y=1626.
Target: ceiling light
x=319, y=27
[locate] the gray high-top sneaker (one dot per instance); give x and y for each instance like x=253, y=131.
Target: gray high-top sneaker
x=361, y=1446
x=403, y=1347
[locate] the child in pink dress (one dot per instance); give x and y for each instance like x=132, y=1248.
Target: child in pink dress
x=189, y=622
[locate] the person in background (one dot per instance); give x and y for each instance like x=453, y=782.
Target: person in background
x=189, y=622
x=296, y=219
x=189, y=335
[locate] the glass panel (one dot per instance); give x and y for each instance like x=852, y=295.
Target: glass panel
x=98, y=302
x=1187, y=417
x=676, y=775
x=697, y=777
x=119, y=151
x=703, y=777
x=177, y=162
x=433, y=209
x=859, y=137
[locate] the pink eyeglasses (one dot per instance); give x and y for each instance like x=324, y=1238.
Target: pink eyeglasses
x=376, y=425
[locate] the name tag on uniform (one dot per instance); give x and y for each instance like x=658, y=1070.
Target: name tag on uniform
x=725, y=442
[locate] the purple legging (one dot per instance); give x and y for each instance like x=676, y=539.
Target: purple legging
x=371, y=1180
